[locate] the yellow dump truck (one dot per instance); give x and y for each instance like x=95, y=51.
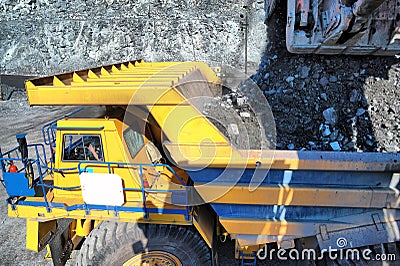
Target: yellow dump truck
x=155, y=182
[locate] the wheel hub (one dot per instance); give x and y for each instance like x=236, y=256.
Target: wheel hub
x=153, y=258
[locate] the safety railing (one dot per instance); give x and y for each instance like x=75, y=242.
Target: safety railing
x=23, y=181
x=37, y=178
x=140, y=167
x=27, y=168
x=14, y=155
x=49, y=133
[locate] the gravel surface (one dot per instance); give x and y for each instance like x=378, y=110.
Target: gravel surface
x=17, y=117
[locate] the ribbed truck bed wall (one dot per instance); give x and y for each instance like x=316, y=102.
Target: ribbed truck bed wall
x=164, y=88
x=116, y=84
x=304, y=193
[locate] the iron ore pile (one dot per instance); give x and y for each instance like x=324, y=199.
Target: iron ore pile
x=348, y=104
x=336, y=103
x=340, y=103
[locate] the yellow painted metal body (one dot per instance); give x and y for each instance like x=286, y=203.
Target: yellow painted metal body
x=205, y=223
x=300, y=196
x=153, y=86
x=37, y=233
x=114, y=148
x=153, y=258
x=40, y=214
x=116, y=84
x=83, y=227
x=246, y=252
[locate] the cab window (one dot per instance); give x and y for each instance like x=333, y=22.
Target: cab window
x=82, y=147
x=134, y=141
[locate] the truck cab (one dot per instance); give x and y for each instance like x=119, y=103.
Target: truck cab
x=108, y=145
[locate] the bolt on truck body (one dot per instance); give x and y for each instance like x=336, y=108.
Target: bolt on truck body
x=155, y=181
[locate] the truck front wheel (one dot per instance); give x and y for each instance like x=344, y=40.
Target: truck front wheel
x=113, y=243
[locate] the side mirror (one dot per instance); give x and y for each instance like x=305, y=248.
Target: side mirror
x=23, y=146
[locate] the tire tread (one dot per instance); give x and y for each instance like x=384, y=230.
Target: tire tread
x=106, y=240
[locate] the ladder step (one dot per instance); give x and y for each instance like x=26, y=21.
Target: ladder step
x=242, y=259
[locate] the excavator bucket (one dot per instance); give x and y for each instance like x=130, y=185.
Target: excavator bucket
x=363, y=27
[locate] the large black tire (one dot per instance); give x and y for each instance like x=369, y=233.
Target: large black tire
x=113, y=243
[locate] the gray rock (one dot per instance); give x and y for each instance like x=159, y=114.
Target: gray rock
x=245, y=114
x=290, y=146
x=325, y=131
x=323, y=81
x=324, y=96
x=312, y=144
x=333, y=79
x=289, y=79
x=355, y=96
x=63, y=6
x=369, y=143
x=305, y=70
x=330, y=116
x=270, y=92
x=360, y=112
x=334, y=135
x=350, y=145
x=241, y=100
x=335, y=146
x=315, y=76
